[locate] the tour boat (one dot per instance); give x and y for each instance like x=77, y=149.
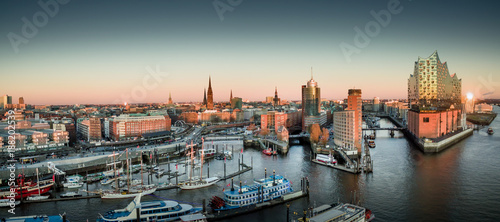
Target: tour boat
x=262, y=190
x=195, y=184
x=8, y=203
x=326, y=159
x=160, y=211
x=490, y=131
x=340, y=212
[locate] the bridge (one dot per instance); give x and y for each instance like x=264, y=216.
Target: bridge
x=389, y=128
x=299, y=135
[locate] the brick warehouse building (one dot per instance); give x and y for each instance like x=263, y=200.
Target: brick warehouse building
x=134, y=125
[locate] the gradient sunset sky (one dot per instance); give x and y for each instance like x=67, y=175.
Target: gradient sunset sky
x=99, y=51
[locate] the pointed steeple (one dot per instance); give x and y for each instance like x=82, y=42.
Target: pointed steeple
x=210, y=94
x=204, y=96
x=170, y=98
x=275, y=92
x=231, y=96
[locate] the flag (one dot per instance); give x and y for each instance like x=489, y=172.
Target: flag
x=241, y=150
x=223, y=189
x=291, y=182
x=229, y=184
x=176, y=167
x=224, y=159
x=137, y=146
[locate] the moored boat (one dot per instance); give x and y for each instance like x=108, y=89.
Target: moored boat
x=70, y=194
x=268, y=152
x=37, y=197
x=371, y=144
x=490, y=131
x=328, y=159
x=340, y=212
x=164, y=210
x=128, y=193
x=196, y=184
x=263, y=190
x=8, y=203
x=37, y=218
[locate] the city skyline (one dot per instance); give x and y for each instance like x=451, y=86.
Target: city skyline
x=101, y=59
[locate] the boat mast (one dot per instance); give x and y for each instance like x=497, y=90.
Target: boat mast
x=201, y=158
x=114, y=169
x=38, y=182
x=192, y=164
x=142, y=178
x=128, y=172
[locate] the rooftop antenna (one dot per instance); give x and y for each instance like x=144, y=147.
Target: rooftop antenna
x=311, y=72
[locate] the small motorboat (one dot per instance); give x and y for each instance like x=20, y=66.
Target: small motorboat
x=490, y=131
x=371, y=144
x=268, y=152
x=8, y=203
x=70, y=194
x=37, y=197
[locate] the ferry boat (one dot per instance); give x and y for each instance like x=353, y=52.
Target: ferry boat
x=326, y=159
x=490, y=131
x=340, y=213
x=262, y=190
x=269, y=152
x=159, y=211
x=37, y=218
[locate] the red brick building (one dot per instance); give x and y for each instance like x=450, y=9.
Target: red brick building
x=273, y=120
x=432, y=123
x=131, y=126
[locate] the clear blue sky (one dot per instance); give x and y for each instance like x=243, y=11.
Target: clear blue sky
x=99, y=51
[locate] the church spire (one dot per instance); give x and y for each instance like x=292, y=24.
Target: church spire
x=231, y=96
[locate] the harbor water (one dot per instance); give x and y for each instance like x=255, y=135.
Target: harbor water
x=458, y=184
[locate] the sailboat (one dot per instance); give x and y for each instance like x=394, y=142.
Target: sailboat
x=130, y=192
x=39, y=195
x=201, y=182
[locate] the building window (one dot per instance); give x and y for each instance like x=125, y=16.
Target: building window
x=426, y=119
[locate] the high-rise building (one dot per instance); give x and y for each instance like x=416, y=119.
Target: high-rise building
x=311, y=103
x=348, y=124
x=435, y=99
x=376, y=104
x=276, y=100
x=431, y=84
x=210, y=95
x=269, y=99
x=21, y=100
x=6, y=100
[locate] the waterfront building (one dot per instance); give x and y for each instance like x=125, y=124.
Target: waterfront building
x=210, y=95
x=348, y=124
x=435, y=99
x=130, y=126
x=311, y=102
x=273, y=120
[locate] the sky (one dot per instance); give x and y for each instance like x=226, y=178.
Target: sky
x=99, y=52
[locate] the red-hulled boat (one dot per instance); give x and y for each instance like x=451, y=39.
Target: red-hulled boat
x=29, y=188
x=268, y=152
